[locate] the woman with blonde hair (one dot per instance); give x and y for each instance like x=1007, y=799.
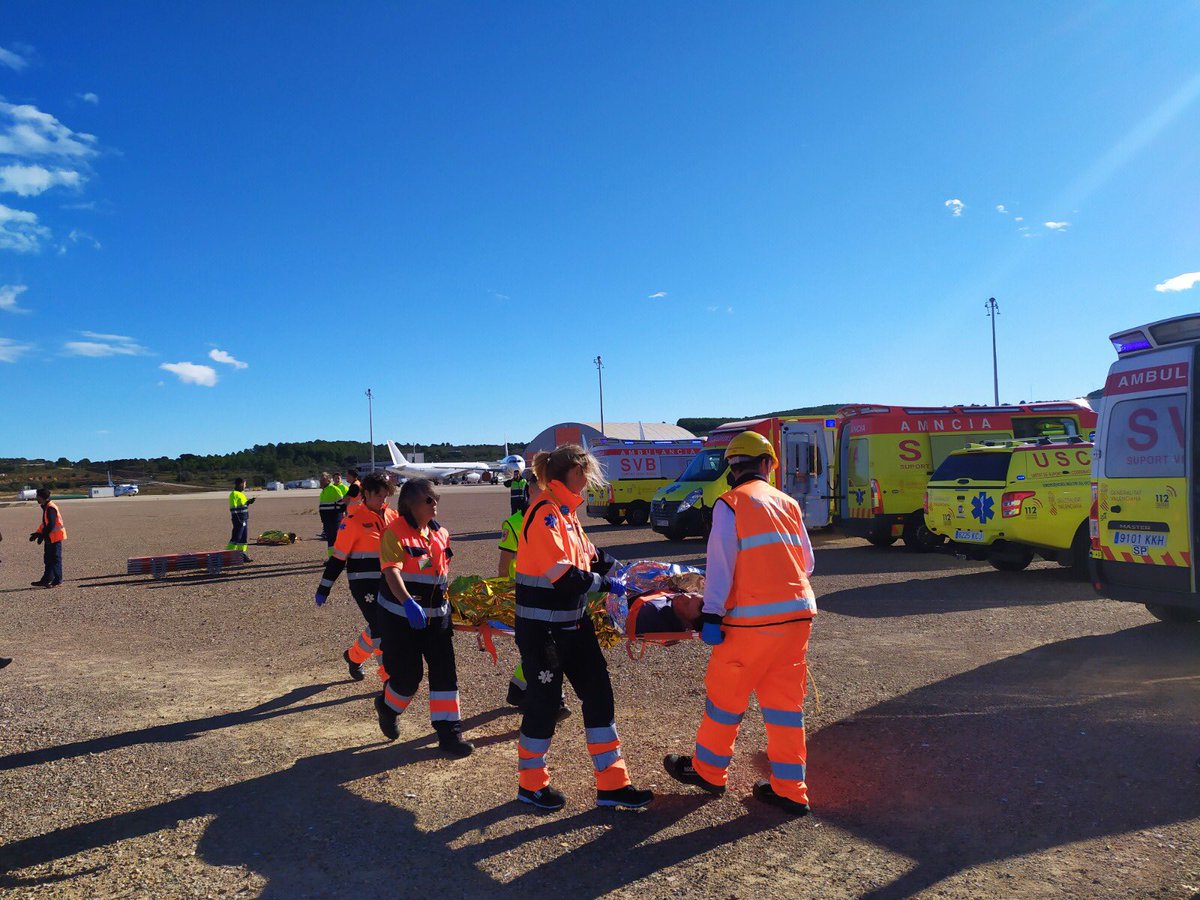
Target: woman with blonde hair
x=557, y=567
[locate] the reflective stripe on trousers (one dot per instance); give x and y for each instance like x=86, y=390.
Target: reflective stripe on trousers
x=398, y=703
x=604, y=745
x=443, y=706
x=531, y=752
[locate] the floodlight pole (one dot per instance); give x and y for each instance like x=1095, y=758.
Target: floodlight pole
x=993, y=310
x=371, y=425
x=600, y=374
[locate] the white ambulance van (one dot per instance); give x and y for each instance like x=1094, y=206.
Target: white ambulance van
x=1144, y=472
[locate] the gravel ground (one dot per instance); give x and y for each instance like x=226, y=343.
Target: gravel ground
x=978, y=734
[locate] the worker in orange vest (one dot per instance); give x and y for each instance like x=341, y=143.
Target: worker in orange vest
x=50, y=534
x=414, y=618
x=557, y=567
x=356, y=549
x=757, y=616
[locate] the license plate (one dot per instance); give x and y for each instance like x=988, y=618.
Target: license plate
x=1139, y=539
x=661, y=521
x=961, y=535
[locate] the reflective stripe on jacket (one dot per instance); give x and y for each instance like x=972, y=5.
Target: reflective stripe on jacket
x=770, y=574
x=330, y=495
x=52, y=532
x=552, y=546
x=423, y=560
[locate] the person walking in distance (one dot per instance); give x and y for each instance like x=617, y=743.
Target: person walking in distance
x=414, y=618
x=518, y=493
x=239, y=518
x=356, y=550
x=557, y=567
x=50, y=534
x=757, y=616
x=329, y=509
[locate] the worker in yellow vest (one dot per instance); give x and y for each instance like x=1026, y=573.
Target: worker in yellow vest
x=330, y=510
x=757, y=616
x=239, y=518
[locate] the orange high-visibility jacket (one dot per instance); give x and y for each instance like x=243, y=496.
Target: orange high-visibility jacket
x=552, y=547
x=356, y=550
x=423, y=559
x=770, y=575
x=59, y=531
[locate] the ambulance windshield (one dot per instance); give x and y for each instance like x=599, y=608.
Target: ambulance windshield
x=707, y=465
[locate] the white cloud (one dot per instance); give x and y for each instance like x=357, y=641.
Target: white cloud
x=11, y=351
x=13, y=60
x=27, y=131
x=1184, y=282
x=191, y=373
x=222, y=357
x=8, y=297
x=99, y=345
x=82, y=237
x=955, y=206
x=20, y=231
x=89, y=97
x=657, y=296
x=1018, y=218
x=1057, y=226
x=29, y=181
x=1000, y=208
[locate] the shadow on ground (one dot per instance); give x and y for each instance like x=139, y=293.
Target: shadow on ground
x=1074, y=740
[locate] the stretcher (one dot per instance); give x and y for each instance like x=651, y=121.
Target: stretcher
x=275, y=538
x=211, y=561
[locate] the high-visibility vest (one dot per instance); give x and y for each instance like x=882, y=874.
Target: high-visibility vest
x=358, y=544
x=330, y=495
x=516, y=490
x=550, y=543
x=238, y=504
x=60, y=529
x=770, y=572
x=423, y=558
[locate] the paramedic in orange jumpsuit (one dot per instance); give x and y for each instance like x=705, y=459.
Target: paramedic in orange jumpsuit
x=414, y=618
x=356, y=549
x=557, y=567
x=757, y=616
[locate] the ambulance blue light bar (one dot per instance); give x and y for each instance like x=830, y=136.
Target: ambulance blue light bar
x=1130, y=342
x=831, y=423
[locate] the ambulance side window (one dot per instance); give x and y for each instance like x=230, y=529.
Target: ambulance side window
x=1146, y=438
x=1045, y=426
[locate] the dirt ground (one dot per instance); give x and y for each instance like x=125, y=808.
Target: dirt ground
x=978, y=734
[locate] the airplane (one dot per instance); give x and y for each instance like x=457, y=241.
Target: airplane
x=508, y=466
x=122, y=490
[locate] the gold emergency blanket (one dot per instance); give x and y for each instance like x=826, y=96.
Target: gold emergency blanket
x=477, y=600
x=276, y=538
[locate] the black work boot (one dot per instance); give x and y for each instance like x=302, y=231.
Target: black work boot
x=627, y=797
x=387, y=719
x=450, y=739
x=516, y=696
x=356, y=669
x=546, y=798
x=764, y=792
x=681, y=769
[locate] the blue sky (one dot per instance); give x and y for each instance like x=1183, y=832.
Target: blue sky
x=220, y=224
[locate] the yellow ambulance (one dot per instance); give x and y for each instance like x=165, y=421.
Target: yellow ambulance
x=1145, y=488
x=1007, y=501
x=634, y=471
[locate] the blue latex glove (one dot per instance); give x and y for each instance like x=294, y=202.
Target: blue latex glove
x=320, y=598
x=710, y=633
x=416, y=614
x=617, y=588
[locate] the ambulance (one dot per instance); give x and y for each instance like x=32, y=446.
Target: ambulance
x=1007, y=501
x=635, y=470
x=1144, y=472
x=887, y=453
x=805, y=446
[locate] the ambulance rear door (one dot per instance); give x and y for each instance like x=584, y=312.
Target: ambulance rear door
x=807, y=448
x=1143, y=463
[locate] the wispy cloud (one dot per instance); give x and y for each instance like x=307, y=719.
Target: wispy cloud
x=1018, y=218
x=29, y=181
x=1184, y=282
x=8, y=297
x=496, y=295
x=658, y=295
x=716, y=309
x=89, y=97
x=26, y=131
x=222, y=357
x=20, y=231
x=1001, y=208
x=98, y=346
x=1057, y=226
x=192, y=373
x=82, y=237
x=11, y=351
x=955, y=206
x=12, y=59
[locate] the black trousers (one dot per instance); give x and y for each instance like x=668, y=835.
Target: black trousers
x=407, y=650
x=517, y=504
x=363, y=592
x=52, y=562
x=239, y=529
x=330, y=520
x=548, y=654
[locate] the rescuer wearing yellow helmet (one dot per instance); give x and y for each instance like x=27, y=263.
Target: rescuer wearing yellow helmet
x=757, y=616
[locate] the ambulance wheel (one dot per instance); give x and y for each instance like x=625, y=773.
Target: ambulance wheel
x=881, y=538
x=614, y=518
x=638, y=514
x=1010, y=561
x=1172, y=613
x=1081, y=551
x=918, y=537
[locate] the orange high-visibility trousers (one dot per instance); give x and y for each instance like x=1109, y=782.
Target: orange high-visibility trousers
x=768, y=661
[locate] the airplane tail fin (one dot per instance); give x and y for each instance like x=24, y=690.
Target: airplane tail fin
x=397, y=457
x=110, y=481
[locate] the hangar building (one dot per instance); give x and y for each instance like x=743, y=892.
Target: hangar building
x=578, y=432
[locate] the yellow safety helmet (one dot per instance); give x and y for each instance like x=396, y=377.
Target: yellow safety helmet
x=749, y=445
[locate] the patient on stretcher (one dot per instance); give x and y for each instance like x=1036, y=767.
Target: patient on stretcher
x=661, y=612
